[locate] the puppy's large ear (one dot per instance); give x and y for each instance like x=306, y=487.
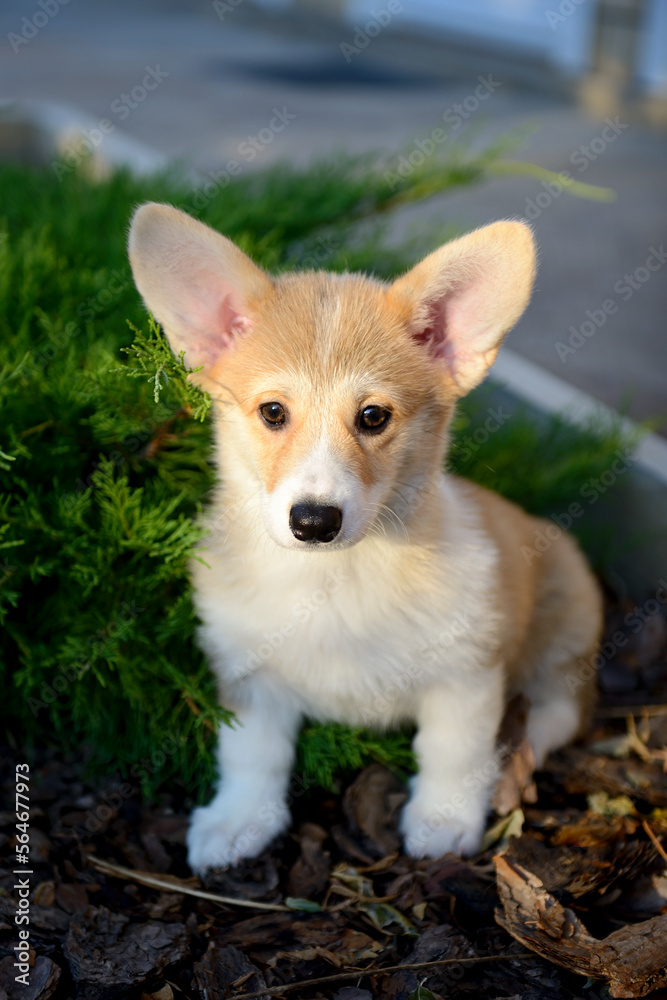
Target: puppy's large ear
x=198, y=284
x=462, y=299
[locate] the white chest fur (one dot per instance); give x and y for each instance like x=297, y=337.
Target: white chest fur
x=353, y=633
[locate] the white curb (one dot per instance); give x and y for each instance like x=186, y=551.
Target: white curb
x=59, y=126
x=548, y=392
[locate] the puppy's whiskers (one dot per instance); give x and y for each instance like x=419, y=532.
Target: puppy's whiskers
x=399, y=520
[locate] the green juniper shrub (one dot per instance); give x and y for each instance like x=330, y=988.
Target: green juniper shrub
x=102, y=475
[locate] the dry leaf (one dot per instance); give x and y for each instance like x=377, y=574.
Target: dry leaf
x=500, y=832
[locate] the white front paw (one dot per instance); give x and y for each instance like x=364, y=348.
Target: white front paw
x=430, y=829
x=222, y=834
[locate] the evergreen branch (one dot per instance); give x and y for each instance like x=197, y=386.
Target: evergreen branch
x=159, y=364
x=518, y=168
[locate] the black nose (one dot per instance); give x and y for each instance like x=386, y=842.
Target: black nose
x=314, y=522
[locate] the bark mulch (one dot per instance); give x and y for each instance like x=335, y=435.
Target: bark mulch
x=568, y=898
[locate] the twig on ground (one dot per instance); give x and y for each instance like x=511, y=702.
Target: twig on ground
x=622, y=711
x=654, y=840
x=360, y=973
x=172, y=884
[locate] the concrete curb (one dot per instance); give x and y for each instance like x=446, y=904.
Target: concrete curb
x=547, y=392
x=44, y=130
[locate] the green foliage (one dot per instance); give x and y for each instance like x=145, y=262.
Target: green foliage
x=154, y=357
x=102, y=475
x=327, y=751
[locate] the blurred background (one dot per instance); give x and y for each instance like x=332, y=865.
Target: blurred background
x=232, y=86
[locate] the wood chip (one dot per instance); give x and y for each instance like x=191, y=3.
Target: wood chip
x=631, y=960
x=107, y=954
x=223, y=967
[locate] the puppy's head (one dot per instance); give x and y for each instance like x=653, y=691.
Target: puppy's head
x=333, y=392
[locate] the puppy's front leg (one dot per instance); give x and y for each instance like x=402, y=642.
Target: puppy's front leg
x=455, y=748
x=255, y=757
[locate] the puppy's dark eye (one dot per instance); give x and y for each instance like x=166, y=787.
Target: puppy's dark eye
x=373, y=419
x=273, y=414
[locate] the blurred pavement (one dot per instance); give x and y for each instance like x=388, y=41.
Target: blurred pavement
x=244, y=88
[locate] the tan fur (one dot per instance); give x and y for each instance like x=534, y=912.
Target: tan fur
x=536, y=598
x=296, y=321
x=460, y=263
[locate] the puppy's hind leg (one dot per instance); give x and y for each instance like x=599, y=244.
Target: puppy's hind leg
x=561, y=705
x=562, y=685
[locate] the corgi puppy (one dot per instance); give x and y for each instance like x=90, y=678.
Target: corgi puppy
x=345, y=576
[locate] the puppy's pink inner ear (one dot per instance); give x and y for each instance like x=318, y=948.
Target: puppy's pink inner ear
x=215, y=318
x=443, y=333
x=233, y=321
x=432, y=333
